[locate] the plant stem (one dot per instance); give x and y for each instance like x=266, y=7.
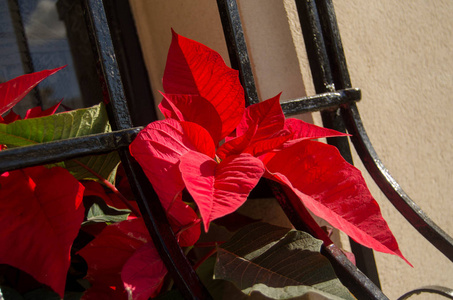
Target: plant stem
x=112, y=188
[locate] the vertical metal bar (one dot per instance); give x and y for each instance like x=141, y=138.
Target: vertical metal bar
x=351, y=277
x=237, y=48
x=22, y=44
x=327, y=67
x=153, y=214
x=131, y=63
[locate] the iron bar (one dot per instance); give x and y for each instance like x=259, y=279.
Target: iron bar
x=22, y=44
x=388, y=185
x=351, y=277
x=237, y=48
x=433, y=289
x=331, y=100
x=152, y=211
x=325, y=79
x=56, y=151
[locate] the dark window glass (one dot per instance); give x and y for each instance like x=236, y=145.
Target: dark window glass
x=34, y=37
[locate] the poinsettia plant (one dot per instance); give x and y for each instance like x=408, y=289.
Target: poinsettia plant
x=78, y=218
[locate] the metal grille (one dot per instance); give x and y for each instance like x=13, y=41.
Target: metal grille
x=335, y=99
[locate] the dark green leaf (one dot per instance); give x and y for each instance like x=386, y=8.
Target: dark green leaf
x=279, y=263
x=65, y=125
x=99, y=212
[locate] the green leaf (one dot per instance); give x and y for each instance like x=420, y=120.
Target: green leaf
x=100, y=212
x=65, y=125
x=278, y=263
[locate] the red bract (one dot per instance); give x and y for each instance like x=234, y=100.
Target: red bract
x=221, y=182
x=40, y=215
x=119, y=261
x=11, y=92
x=219, y=188
x=194, y=69
x=93, y=188
x=335, y=191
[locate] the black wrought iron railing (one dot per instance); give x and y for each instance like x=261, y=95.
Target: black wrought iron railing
x=335, y=99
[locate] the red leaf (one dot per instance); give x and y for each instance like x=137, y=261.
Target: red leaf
x=267, y=114
x=37, y=111
x=192, y=68
x=193, y=108
x=107, y=254
x=219, y=189
x=93, y=188
x=335, y=191
x=238, y=144
x=143, y=273
x=305, y=131
x=40, y=216
x=258, y=148
x=185, y=223
x=158, y=148
x=11, y=92
x=269, y=118
x=10, y=117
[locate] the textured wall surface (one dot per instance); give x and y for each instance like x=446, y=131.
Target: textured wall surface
x=398, y=53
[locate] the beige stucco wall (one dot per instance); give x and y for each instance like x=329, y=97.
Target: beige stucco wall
x=398, y=53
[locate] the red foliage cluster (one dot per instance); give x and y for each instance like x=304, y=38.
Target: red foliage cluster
x=209, y=144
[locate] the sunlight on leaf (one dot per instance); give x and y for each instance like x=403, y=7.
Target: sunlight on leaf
x=334, y=190
x=65, y=125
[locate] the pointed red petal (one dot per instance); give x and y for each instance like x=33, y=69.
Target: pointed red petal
x=143, y=273
x=11, y=92
x=37, y=112
x=193, y=68
x=267, y=114
x=219, y=189
x=196, y=109
x=335, y=191
x=40, y=216
x=305, y=131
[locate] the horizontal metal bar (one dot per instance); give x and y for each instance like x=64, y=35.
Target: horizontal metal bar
x=56, y=151
x=321, y=101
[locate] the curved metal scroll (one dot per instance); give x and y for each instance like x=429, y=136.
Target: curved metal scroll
x=433, y=289
x=393, y=191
